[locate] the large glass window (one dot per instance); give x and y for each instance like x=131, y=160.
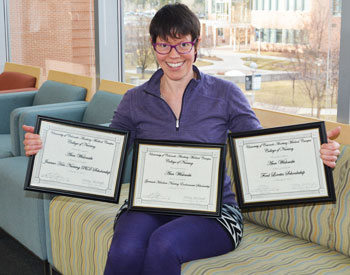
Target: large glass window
x=337, y=7
x=298, y=62
x=54, y=35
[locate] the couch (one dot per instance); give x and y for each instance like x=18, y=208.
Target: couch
x=23, y=214
x=298, y=239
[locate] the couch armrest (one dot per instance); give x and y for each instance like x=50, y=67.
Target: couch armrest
x=28, y=115
x=9, y=102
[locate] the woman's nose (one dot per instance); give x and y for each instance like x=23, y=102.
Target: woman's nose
x=173, y=53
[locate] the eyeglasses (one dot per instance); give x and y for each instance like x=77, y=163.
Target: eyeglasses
x=181, y=48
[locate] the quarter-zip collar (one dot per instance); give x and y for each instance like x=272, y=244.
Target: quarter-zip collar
x=153, y=85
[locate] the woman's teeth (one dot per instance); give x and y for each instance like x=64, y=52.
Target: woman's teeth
x=175, y=65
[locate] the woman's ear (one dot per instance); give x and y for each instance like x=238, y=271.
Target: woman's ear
x=199, y=39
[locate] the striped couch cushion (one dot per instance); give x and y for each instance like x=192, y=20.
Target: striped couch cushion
x=81, y=233
x=326, y=224
x=265, y=251
x=341, y=210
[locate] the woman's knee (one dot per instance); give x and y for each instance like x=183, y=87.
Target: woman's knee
x=125, y=259
x=162, y=245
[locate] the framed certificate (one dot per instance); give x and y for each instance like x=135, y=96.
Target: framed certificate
x=177, y=178
x=281, y=166
x=77, y=159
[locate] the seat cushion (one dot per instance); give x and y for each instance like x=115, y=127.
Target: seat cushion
x=14, y=80
x=57, y=92
x=266, y=251
x=82, y=230
x=5, y=146
x=81, y=233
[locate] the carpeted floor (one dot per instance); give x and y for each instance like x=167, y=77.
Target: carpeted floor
x=15, y=259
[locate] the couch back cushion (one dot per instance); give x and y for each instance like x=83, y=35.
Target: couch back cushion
x=341, y=210
x=327, y=224
x=14, y=80
x=101, y=107
x=57, y=92
x=100, y=111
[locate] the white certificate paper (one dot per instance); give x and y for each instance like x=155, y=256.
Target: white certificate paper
x=78, y=159
x=282, y=166
x=178, y=178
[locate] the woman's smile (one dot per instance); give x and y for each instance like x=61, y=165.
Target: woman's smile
x=175, y=64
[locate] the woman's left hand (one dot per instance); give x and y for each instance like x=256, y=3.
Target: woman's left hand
x=330, y=151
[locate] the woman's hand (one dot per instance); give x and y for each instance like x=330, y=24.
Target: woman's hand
x=32, y=142
x=330, y=151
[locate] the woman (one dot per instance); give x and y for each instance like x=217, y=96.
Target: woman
x=178, y=103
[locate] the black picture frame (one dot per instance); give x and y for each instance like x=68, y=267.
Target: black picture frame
x=167, y=178
x=281, y=166
x=78, y=160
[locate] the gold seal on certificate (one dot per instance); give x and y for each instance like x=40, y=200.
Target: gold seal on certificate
x=177, y=178
x=280, y=166
x=77, y=159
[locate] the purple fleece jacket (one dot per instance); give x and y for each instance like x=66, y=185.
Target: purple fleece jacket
x=210, y=108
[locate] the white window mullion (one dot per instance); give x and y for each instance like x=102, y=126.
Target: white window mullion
x=343, y=112
x=4, y=34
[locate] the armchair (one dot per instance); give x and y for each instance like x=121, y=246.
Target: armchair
x=24, y=214
x=50, y=92
x=19, y=78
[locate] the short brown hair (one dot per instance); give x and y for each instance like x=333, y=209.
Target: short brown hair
x=174, y=20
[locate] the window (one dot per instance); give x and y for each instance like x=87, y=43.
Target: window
x=291, y=5
x=266, y=35
x=272, y=36
x=337, y=7
x=220, y=32
x=277, y=5
x=263, y=34
x=278, y=36
x=290, y=37
x=300, y=5
x=60, y=35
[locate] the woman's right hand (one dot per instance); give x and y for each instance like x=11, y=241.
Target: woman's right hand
x=32, y=142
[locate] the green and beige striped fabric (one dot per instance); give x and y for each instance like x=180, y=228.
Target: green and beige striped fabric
x=265, y=251
x=325, y=224
x=81, y=233
x=341, y=210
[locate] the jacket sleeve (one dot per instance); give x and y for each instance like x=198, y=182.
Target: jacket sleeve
x=241, y=117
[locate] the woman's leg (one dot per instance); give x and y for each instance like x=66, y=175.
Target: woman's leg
x=130, y=241
x=184, y=239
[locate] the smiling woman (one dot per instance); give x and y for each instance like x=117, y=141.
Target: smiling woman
x=171, y=98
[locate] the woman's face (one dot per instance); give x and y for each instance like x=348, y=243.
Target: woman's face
x=176, y=66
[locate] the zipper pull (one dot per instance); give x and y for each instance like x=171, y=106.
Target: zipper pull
x=177, y=124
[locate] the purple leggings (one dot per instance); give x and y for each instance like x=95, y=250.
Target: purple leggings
x=145, y=243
